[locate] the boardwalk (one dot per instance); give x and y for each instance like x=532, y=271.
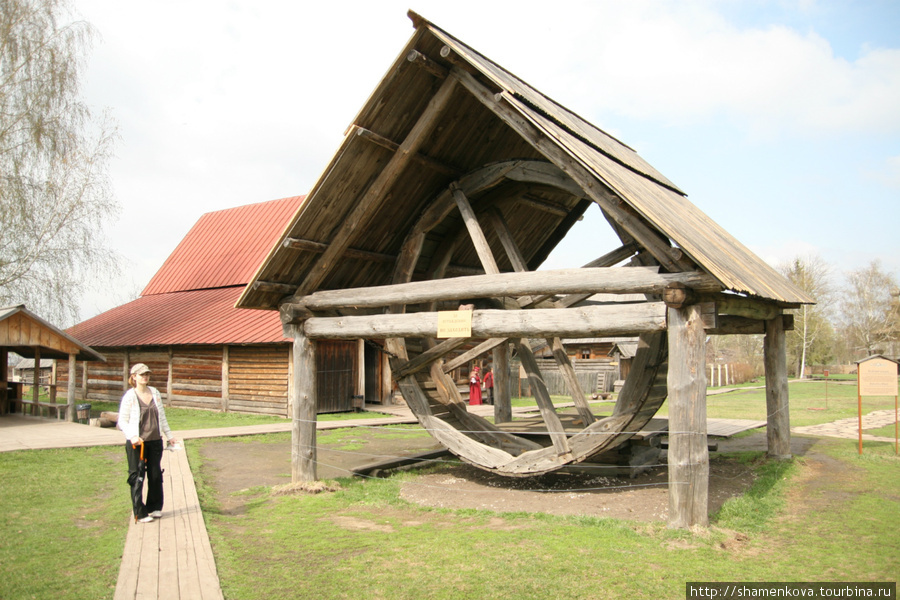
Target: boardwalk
x=171, y=557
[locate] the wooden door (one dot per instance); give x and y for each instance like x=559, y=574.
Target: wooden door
x=336, y=368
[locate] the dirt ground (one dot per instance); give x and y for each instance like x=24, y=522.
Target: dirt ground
x=235, y=466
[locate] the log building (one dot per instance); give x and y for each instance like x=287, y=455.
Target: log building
x=454, y=182
x=204, y=352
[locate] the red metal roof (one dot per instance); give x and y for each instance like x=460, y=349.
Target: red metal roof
x=224, y=248
x=191, y=298
x=179, y=318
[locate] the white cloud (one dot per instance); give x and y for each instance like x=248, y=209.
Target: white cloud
x=682, y=62
x=785, y=251
x=888, y=174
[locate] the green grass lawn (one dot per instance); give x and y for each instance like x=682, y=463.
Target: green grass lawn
x=365, y=541
x=812, y=403
x=63, y=519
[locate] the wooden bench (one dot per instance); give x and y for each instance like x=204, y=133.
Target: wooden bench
x=59, y=409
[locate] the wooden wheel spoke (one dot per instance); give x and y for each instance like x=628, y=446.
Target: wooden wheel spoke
x=548, y=412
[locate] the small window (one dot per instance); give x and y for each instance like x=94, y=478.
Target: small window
x=585, y=353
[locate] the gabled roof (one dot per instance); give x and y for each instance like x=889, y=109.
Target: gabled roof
x=224, y=248
x=191, y=299
x=22, y=332
x=478, y=115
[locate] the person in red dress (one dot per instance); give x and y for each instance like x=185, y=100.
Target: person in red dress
x=474, y=387
x=489, y=386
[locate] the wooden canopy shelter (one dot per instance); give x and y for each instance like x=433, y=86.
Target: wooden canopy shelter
x=26, y=334
x=451, y=187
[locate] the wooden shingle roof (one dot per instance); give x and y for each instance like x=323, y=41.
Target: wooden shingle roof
x=355, y=220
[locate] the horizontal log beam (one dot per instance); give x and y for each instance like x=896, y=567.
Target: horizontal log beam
x=426, y=63
x=731, y=325
x=545, y=206
x=631, y=280
x=285, y=289
x=592, y=321
x=311, y=246
x=393, y=146
x=738, y=306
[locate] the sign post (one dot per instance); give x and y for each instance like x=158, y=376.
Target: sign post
x=877, y=377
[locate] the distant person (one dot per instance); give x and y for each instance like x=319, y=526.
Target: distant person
x=143, y=421
x=489, y=386
x=475, y=388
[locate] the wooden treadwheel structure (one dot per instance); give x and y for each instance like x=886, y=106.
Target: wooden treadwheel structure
x=453, y=185
x=493, y=448
x=431, y=394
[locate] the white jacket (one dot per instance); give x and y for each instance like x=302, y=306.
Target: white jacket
x=130, y=414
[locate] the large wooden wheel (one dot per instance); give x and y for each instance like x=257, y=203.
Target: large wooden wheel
x=432, y=395
x=485, y=445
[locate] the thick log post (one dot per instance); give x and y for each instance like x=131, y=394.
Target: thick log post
x=4, y=376
x=778, y=420
x=688, y=454
x=502, y=389
x=303, y=427
x=70, y=391
x=226, y=368
x=36, y=382
x=85, y=366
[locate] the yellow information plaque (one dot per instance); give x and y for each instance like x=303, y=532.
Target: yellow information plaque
x=877, y=377
x=454, y=323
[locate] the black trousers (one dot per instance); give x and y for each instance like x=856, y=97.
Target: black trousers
x=153, y=455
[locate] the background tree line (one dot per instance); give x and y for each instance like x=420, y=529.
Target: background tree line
x=855, y=316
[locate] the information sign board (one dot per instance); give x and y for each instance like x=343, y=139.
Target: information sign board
x=454, y=323
x=878, y=377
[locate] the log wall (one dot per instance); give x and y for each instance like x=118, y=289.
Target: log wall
x=196, y=377
x=244, y=379
x=258, y=379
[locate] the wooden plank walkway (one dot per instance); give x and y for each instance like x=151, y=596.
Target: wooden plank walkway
x=170, y=558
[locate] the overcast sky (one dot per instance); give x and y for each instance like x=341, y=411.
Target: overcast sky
x=780, y=119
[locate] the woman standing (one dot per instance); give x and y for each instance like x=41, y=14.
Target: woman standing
x=474, y=387
x=489, y=386
x=143, y=421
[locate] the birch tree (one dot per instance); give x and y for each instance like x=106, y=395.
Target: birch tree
x=812, y=326
x=55, y=195
x=868, y=310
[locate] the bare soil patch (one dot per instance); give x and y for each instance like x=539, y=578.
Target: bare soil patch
x=235, y=468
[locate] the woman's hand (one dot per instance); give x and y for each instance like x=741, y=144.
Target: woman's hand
x=136, y=441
